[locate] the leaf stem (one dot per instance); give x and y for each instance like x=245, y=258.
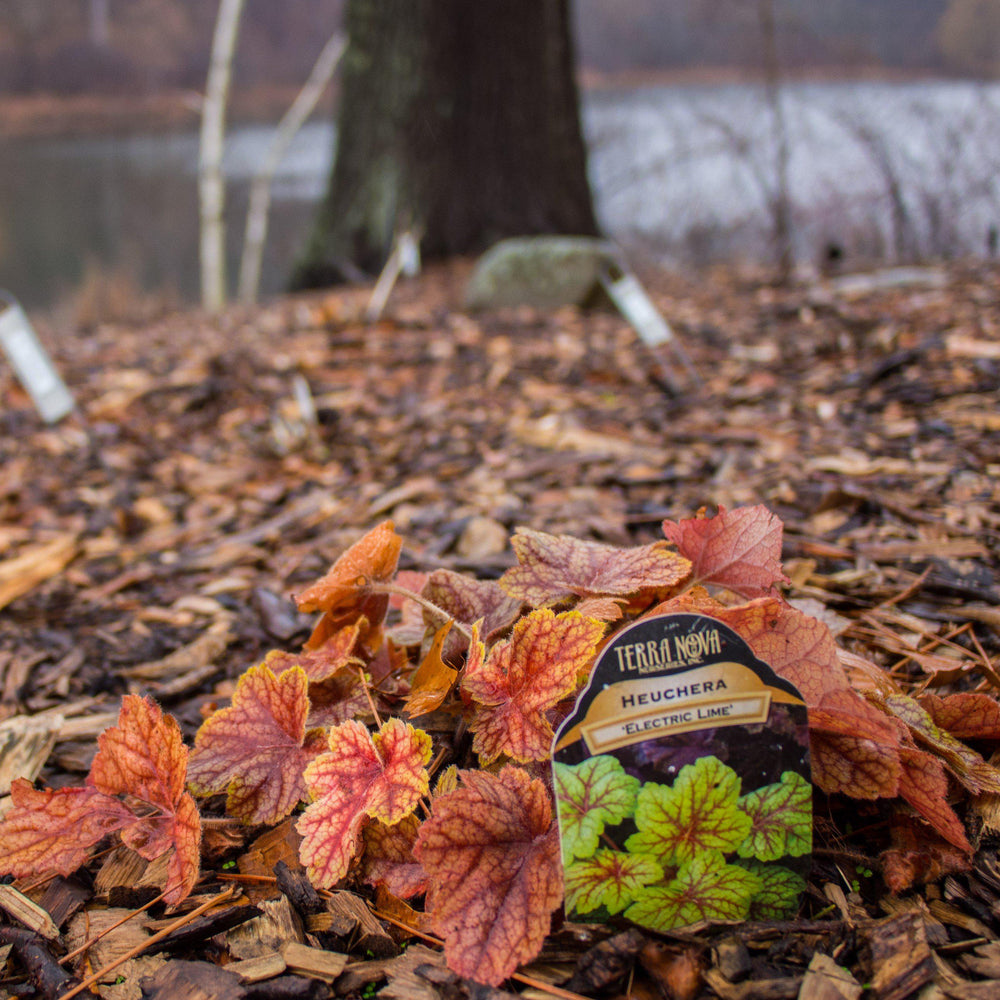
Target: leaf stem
x=368, y=695
x=427, y=605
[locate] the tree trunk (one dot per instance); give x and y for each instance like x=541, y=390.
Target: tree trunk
x=459, y=121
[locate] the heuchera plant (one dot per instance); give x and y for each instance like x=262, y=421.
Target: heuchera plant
x=336, y=726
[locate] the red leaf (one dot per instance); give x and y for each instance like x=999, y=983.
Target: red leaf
x=469, y=600
x=797, y=646
x=918, y=855
x=554, y=568
x=966, y=716
x=144, y=756
x=54, y=830
x=860, y=768
x=491, y=852
x=389, y=859
x=382, y=777
x=523, y=678
x=738, y=549
x=257, y=749
x=924, y=784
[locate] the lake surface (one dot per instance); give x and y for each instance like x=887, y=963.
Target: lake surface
x=885, y=172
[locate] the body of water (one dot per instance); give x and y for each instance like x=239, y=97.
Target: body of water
x=689, y=173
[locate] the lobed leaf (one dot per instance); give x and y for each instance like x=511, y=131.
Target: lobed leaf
x=967, y=765
x=491, y=852
x=699, y=812
x=781, y=819
x=469, y=600
x=610, y=879
x=855, y=766
x=361, y=776
x=591, y=795
x=967, y=715
x=780, y=893
x=257, y=749
x=523, y=678
x=389, y=859
x=144, y=757
x=737, y=549
x=704, y=888
x=55, y=830
x=555, y=568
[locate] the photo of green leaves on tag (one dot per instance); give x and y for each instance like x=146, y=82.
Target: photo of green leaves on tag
x=692, y=824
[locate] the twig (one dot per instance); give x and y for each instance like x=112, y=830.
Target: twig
x=223, y=896
x=107, y=930
x=46, y=973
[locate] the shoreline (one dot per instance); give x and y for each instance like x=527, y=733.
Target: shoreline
x=52, y=116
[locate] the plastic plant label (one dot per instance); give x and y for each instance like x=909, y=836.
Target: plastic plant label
x=32, y=365
x=682, y=781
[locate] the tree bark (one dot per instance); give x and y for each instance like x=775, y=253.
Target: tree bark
x=459, y=121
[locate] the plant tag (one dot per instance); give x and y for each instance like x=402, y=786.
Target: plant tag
x=33, y=366
x=635, y=305
x=682, y=781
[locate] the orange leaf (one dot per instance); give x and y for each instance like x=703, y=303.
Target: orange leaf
x=554, y=568
x=924, y=784
x=491, y=852
x=967, y=716
x=325, y=660
x=737, y=549
x=433, y=679
x=144, y=756
x=257, y=749
x=523, y=678
x=381, y=777
x=54, y=830
x=371, y=559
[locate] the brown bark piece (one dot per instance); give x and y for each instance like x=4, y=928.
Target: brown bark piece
x=192, y=981
x=22, y=573
x=732, y=958
x=349, y=918
x=25, y=744
x=63, y=897
x=607, y=961
x=270, y=932
x=399, y=971
x=254, y=970
x=984, y=961
x=316, y=963
x=826, y=980
x=27, y=913
x=760, y=989
x=109, y=948
x=901, y=960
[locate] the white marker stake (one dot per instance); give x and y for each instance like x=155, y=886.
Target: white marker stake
x=31, y=364
x=635, y=305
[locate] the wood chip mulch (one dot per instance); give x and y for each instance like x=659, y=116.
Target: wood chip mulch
x=151, y=541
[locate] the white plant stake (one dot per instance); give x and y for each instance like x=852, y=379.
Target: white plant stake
x=30, y=362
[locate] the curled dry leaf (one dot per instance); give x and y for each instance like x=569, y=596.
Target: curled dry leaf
x=739, y=550
x=491, y=853
x=361, y=776
x=523, y=678
x=555, y=568
x=257, y=749
x=433, y=679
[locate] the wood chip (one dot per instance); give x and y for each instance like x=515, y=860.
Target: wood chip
x=22, y=910
x=826, y=980
x=316, y=963
x=22, y=573
x=255, y=970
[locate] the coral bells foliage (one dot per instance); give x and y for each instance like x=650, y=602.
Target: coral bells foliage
x=334, y=730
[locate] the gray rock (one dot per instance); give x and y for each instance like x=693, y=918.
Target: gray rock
x=540, y=271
